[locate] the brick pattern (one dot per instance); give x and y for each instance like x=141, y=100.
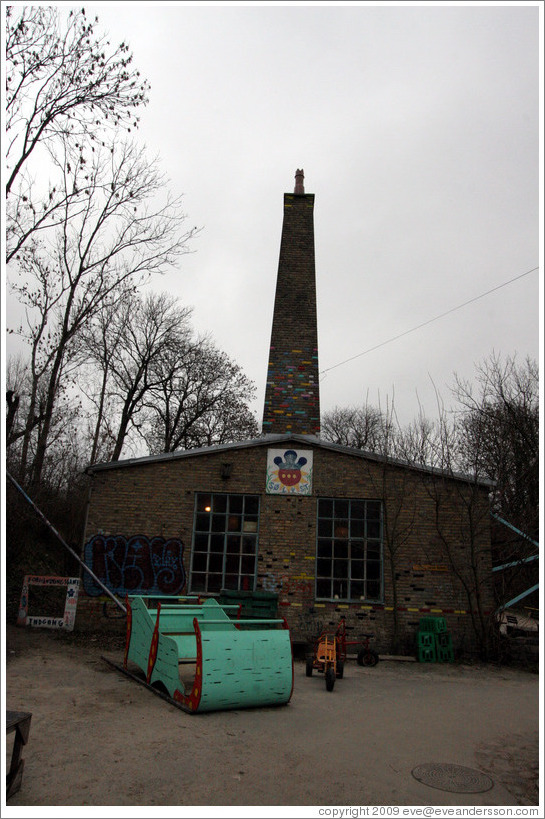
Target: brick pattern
x=292, y=398
x=423, y=572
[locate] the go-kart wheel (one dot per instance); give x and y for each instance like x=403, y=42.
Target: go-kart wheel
x=370, y=657
x=330, y=679
x=310, y=663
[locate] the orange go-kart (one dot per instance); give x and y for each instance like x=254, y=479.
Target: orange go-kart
x=327, y=658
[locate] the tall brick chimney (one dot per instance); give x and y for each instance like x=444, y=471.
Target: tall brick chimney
x=292, y=395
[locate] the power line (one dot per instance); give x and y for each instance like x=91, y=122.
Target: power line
x=429, y=321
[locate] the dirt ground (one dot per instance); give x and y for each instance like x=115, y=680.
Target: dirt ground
x=98, y=738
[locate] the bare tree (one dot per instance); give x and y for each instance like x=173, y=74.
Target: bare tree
x=17, y=381
x=129, y=229
x=358, y=427
x=201, y=398
x=144, y=330
x=499, y=418
x=63, y=81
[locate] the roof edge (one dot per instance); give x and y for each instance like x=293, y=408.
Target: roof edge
x=280, y=438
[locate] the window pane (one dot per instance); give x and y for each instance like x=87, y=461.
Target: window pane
x=373, y=528
x=233, y=524
x=373, y=589
x=219, y=503
x=341, y=528
x=214, y=582
x=340, y=568
x=247, y=583
x=247, y=564
x=248, y=545
x=373, y=551
x=323, y=568
x=341, y=549
x=198, y=581
x=201, y=543
x=325, y=548
x=356, y=528
x=373, y=510
x=233, y=544
x=341, y=508
x=373, y=570
x=235, y=503
x=357, y=568
x=199, y=562
x=356, y=589
x=231, y=581
x=202, y=524
x=340, y=588
x=357, y=510
x=323, y=588
x=215, y=563
x=251, y=505
x=325, y=508
x=204, y=502
x=216, y=543
x=325, y=528
x=232, y=563
x=218, y=523
x=249, y=525
x=357, y=550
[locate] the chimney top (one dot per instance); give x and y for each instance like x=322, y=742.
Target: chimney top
x=299, y=177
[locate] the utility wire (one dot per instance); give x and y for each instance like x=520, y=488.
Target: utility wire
x=425, y=323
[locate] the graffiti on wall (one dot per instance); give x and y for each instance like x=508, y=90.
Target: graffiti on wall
x=302, y=585
x=135, y=565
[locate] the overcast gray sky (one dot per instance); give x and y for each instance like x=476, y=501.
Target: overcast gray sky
x=417, y=128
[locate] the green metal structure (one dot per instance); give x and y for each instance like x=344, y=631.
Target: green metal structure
x=229, y=663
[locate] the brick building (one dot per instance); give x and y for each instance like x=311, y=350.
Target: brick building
x=331, y=531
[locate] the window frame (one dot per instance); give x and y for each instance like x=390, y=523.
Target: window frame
x=336, y=544
x=228, y=508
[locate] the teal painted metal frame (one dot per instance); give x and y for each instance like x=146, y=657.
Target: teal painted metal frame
x=516, y=563
x=516, y=599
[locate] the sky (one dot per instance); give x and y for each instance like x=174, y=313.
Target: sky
x=417, y=127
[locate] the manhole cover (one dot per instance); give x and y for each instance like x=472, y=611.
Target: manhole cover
x=453, y=778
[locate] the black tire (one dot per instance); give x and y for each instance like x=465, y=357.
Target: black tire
x=340, y=670
x=361, y=655
x=370, y=657
x=310, y=662
x=330, y=679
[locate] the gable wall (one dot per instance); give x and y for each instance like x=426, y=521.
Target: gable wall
x=422, y=567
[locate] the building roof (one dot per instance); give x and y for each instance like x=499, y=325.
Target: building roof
x=280, y=440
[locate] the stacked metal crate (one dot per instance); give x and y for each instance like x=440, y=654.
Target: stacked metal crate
x=434, y=641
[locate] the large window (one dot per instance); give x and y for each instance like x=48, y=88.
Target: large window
x=224, y=550
x=349, y=549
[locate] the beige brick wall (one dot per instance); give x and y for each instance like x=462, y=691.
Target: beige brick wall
x=429, y=549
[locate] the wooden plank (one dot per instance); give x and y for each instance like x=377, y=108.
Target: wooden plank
x=18, y=721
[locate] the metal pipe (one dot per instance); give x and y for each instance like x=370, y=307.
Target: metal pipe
x=515, y=563
x=514, y=529
x=65, y=544
x=516, y=599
